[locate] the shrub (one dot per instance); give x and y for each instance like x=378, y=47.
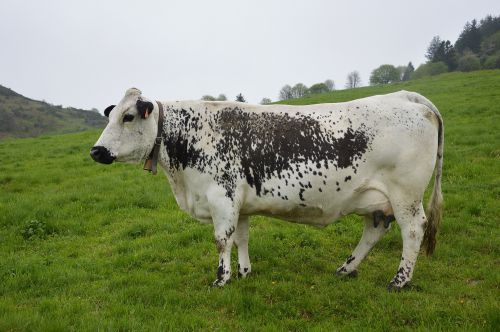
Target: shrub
x=208, y=98
x=265, y=101
x=492, y=62
x=430, y=69
x=318, y=88
x=491, y=44
x=469, y=62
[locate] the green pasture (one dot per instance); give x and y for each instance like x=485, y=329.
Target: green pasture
x=87, y=247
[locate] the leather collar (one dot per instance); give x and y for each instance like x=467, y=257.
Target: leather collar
x=152, y=161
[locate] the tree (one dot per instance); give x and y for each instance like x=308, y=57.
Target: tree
x=447, y=54
x=318, y=88
x=299, y=90
x=433, y=48
x=353, y=80
x=221, y=97
x=330, y=85
x=208, y=98
x=489, y=25
x=240, y=98
x=285, y=92
x=469, y=39
x=401, y=71
x=384, y=74
x=442, y=51
x=265, y=101
x=408, y=72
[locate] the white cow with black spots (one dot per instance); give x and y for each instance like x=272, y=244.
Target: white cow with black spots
x=227, y=161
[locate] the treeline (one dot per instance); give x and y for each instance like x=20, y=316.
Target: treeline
x=222, y=97
x=300, y=90
x=477, y=47
x=287, y=92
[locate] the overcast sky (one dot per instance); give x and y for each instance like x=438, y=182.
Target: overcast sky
x=87, y=53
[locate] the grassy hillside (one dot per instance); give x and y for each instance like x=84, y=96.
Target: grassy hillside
x=24, y=117
x=85, y=246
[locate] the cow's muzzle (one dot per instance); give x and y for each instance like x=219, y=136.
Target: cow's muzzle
x=101, y=155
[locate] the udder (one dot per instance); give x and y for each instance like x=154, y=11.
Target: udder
x=369, y=201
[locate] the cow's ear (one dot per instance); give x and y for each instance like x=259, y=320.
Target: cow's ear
x=108, y=109
x=145, y=108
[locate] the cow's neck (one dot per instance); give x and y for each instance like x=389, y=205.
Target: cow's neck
x=176, y=152
x=152, y=160
x=182, y=131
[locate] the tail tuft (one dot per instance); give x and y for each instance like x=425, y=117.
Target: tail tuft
x=435, y=215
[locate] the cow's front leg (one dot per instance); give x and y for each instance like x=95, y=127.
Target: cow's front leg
x=225, y=215
x=224, y=238
x=241, y=241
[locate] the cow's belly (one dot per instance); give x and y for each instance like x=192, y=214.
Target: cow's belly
x=194, y=200
x=360, y=196
x=313, y=214
x=302, y=215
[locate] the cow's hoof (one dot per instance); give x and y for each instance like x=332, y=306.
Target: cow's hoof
x=243, y=272
x=220, y=282
x=342, y=272
x=395, y=288
x=353, y=274
x=243, y=275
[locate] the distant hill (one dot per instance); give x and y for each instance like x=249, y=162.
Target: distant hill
x=24, y=117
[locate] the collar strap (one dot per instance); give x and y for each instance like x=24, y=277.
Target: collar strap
x=152, y=161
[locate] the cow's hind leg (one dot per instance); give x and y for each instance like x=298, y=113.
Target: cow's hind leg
x=241, y=241
x=372, y=233
x=411, y=219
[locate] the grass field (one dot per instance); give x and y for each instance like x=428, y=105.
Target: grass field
x=85, y=246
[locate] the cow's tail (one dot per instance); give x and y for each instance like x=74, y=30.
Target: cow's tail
x=435, y=205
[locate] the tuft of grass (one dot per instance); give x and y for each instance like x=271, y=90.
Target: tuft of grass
x=122, y=256
x=35, y=229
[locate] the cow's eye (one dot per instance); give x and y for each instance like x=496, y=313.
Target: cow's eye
x=128, y=118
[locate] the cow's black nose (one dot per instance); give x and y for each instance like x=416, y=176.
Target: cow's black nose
x=94, y=153
x=101, y=155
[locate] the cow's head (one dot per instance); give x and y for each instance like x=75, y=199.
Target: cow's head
x=130, y=133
